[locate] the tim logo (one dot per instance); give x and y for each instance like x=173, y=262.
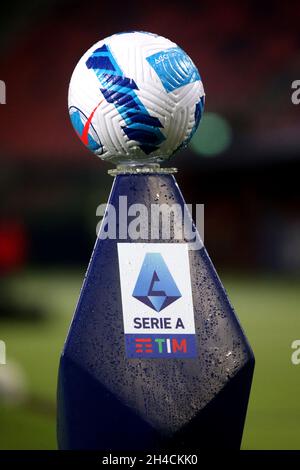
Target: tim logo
x=155, y=285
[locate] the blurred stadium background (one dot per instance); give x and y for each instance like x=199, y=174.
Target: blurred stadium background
x=243, y=164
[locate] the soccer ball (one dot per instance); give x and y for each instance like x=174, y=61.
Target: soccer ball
x=135, y=98
x=13, y=384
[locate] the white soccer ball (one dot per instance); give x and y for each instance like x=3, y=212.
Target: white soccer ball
x=135, y=98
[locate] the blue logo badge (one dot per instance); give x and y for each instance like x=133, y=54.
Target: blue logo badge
x=174, y=68
x=155, y=286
